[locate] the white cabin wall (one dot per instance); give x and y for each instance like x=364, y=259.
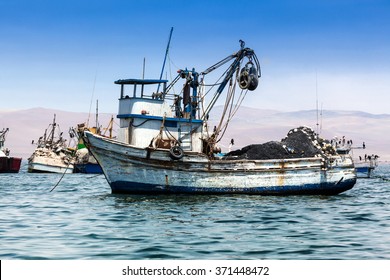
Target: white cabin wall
x=152, y=107
x=197, y=143
x=123, y=134
x=142, y=133
x=142, y=130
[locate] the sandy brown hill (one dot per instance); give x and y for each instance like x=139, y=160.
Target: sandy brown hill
x=27, y=125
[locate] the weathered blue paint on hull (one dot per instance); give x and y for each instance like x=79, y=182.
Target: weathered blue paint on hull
x=315, y=189
x=88, y=168
x=362, y=169
x=151, y=171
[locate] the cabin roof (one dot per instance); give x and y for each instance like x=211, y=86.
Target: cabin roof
x=139, y=81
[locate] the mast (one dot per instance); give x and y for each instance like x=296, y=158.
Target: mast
x=143, y=77
x=111, y=125
x=165, y=58
x=97, y=116
x=321, y=119
x=109, y=128
x=54, y=129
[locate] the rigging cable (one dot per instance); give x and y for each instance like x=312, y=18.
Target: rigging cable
x=61, y=177
x=229, y=101
x=93, y=93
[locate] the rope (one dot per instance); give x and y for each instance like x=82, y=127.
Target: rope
x=233, y=109
x=213, y=85
x=170, y=134
x=94, y=176
x=138, y=125
x=222, y=126
x=381, y=177
x=170, y=70
x=61, y=177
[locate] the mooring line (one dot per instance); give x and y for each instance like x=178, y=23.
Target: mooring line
x=381, y=177
x=61, y=177
x=384, y=179
x=94, y=176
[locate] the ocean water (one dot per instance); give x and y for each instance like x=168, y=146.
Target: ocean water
x=81, y=219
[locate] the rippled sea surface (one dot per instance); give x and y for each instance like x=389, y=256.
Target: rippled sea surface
x=81, y=219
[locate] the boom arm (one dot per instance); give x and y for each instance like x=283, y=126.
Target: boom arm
x=248, y=79
x=240, y=55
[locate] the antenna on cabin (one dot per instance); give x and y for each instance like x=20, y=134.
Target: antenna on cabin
x=165, y=58
x=317, y=124
x=143, y=69
x=143, y=77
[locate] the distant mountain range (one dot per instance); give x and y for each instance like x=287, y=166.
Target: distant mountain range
x=248, y=126
x=27, y=125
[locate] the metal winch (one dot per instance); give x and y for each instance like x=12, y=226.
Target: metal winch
x=248, y=78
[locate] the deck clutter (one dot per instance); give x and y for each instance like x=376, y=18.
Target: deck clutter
x=51, y=154
x=300, y=142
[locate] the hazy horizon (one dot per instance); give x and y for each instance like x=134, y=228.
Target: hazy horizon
x=250, y=126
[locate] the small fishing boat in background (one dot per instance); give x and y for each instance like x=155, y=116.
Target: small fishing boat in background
x=364, y=170
x=364, y=165
x=8, y=164
x=84, y=160
x=51, y=154
x=164, y=143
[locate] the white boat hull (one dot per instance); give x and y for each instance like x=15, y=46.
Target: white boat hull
x=134, y=170
x=44, y=164
x=43, y=168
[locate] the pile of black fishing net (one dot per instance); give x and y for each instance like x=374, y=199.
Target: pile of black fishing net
x=300, y=142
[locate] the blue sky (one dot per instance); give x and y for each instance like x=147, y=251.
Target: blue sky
x=63, y=54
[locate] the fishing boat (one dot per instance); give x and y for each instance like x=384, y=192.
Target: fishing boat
x=8, y=164
x=165, y=143
x=51, y=154
x=84, y=160
x=364, y=170
x=366, y=166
